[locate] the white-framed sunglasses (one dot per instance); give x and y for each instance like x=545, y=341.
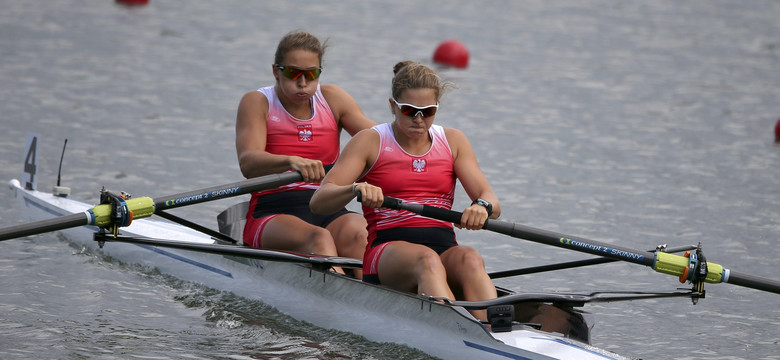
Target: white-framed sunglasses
x=412, y=111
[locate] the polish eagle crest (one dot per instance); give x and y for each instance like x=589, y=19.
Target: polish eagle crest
x=418, y=165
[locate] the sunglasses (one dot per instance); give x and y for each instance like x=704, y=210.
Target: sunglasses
x=412, y=111
x=293, y=73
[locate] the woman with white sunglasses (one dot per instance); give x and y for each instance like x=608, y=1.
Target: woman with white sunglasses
x=416, y=161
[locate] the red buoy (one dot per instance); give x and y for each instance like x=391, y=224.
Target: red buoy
x=132, y=2
x=777, y=131
x=452, y=53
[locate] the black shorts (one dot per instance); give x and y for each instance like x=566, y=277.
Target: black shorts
x=437, y=238
x=294, y=203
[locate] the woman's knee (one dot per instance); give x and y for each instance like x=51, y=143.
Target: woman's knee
x=466, y=258
x=473, y=259
x=349, y=231
x=320, y=238
x=356, y=236
x=430, y=262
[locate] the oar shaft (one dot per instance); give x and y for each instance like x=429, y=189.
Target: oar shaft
x=226, y=191
x=38, y=227
x=532, y=234
x=661, y=262
x=141, y=207
x=569, y=242
x=137, y=208
x=570, y=264
x=753, y=282
x=230, y=190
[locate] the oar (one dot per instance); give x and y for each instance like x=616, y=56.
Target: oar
x=572, y=264
x=235, y=250
x=141, y=207
x=693, y=268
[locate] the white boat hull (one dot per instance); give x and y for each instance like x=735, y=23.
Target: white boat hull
x=319, y=297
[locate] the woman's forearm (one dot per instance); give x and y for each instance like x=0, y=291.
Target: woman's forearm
x=330, y=198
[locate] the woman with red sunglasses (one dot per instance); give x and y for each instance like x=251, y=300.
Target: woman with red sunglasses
x=418, y=162
x=295, y=125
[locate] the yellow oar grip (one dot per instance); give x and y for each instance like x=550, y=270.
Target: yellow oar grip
x=714, y=273
x=101, y=215
x=141, y=207
x=675, y=265
x=670, y=263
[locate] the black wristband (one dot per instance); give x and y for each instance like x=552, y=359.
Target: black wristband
x=485, y=203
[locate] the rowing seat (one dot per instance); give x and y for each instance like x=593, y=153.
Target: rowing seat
x=231, y=221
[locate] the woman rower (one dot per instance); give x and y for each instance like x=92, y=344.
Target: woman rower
x=416, y=161
x=296, y=125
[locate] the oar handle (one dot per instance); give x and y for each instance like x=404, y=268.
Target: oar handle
x=424, y=210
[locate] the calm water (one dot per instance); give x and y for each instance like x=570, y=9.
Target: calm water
x=631, y=123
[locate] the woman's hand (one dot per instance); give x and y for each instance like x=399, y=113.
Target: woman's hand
x=370, y=195
x=473, y=218
x=312, y=170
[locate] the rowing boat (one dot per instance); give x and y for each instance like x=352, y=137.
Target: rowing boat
x=519, y=326
x=328, y=299
x=544, y=326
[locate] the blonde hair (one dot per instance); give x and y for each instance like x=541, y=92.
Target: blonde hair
x=296, y=40
x=413, y=75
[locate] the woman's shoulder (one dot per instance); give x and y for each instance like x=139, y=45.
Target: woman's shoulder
x=339, y=101
x=366, y=138
x=332, y=90
x=256, y=94
x=457, y=140
x=453, y=133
